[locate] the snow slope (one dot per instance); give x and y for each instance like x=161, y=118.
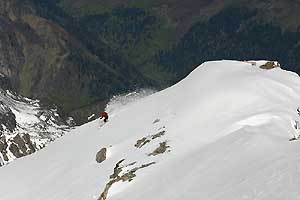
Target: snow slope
x=226, y=129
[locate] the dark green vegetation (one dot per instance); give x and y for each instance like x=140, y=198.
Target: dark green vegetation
x=233, y=34
x=47, y=56
x=122, y=37
x=78, y=53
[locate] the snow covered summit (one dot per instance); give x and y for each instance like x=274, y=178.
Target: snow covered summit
x=221, y=133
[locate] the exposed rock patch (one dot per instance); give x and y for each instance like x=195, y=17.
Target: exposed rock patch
x=140, y=143
x=163, y=147
x=3, y=147
x=156, y=121
x=24, y=144
x=21, y=145
x=158, y=135
x=143, y=141
x=270, y=65
x=116, y=177
x=15, y=150
x=117, y=169
x=101, y=155
x=7, y=118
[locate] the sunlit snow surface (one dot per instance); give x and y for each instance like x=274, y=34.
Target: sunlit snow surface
x=228, y=125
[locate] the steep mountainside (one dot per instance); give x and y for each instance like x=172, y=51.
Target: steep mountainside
x=197, y=31
x=221, y=133
x=45, y=61
x=78, y=53
x=26, y=127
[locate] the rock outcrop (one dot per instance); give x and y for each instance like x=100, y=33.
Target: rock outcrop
x=7, y=118
x=163, y=147
x=101, y=155
x=26, y=127
x=270, y=65
x=126, y=176
x=3, y=150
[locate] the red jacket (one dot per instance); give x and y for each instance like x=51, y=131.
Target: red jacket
x=104, y=115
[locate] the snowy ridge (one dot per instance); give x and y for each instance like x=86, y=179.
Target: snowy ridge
x=221, y=133
x=25, y=127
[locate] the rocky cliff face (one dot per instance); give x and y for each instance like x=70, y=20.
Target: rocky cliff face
x=25, y=127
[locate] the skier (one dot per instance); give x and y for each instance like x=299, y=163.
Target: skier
x=104, y=115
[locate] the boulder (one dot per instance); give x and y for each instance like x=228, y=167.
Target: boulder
x=18, y=140
x=101, y=155
x=15, y=150
x=270, y=65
